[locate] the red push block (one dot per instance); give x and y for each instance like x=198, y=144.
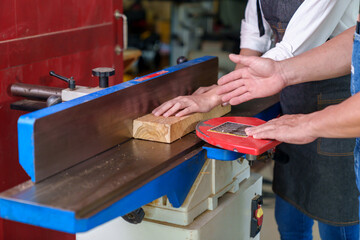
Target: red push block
x=228, y=133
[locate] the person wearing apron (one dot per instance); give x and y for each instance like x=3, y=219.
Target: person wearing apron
x=318, y=181
x=338, y=121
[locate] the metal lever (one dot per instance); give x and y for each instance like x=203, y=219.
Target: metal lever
x=118, y=15
x=70, y=81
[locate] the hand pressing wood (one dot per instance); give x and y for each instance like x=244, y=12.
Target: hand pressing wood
x=167, y=130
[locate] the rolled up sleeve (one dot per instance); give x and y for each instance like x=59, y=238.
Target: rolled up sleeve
x=250, y=35
x=312, y=24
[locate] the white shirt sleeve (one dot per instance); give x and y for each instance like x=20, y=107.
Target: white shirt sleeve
x=312, y=24
x=250, y=35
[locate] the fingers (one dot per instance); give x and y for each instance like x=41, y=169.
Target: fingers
x=240, y=99
x=175, y=108
x=236, y=92
x=261, y=128
x=183, y=112
x=268, y=134
x=231, y=86
x=288, y=128
x=167, y=109
x=234, y=75
x=184, y=104
x=163, y=108
x=265, y=131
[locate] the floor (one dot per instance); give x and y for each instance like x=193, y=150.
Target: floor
x=269, y=230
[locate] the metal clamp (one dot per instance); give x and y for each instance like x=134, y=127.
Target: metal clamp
x=118, y=15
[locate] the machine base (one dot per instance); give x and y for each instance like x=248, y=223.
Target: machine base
x=229, y=221
x=215, y=179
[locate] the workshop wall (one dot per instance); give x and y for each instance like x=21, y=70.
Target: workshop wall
x=69, y=37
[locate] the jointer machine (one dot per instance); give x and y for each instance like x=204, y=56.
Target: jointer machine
x=88, y=173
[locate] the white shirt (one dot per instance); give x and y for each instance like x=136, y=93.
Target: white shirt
x=313, y=23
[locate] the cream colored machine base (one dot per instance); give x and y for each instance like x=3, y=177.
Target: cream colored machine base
x=218, y=207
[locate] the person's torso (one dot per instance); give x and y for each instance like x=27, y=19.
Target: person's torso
x=326, y=165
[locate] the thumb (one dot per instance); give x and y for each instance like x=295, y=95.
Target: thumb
x=241, y=59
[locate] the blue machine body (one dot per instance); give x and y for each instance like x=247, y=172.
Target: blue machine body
x=175, y=184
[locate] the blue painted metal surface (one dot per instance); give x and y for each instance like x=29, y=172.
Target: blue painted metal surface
x=175, y=184
x=222, y=154
x=27, y=121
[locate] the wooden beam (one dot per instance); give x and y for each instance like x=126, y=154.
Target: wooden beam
x=167, y=130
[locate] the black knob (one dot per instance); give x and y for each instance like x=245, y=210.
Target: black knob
x=135, y=216
x=181, y=59
x=53, y=100
x=103, y=73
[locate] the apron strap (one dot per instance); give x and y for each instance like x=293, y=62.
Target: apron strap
x=260, y=20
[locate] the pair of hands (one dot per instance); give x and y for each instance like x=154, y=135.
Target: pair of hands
x=259, y=77
x=202, y=100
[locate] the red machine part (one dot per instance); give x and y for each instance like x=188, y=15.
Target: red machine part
x=259, y=215
x=70, y=37
x=232, y=142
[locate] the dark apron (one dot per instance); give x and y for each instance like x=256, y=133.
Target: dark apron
x=319, y=178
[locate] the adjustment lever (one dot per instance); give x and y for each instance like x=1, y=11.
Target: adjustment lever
x=70, y=81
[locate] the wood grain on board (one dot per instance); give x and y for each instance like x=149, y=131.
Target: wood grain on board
x=167, y=130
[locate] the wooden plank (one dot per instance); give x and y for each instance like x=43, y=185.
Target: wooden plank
x=167, y=130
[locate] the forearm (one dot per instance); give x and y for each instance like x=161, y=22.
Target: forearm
x=337, y=121
x=332, y=59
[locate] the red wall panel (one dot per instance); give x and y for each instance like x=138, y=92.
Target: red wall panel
x=8, y=27
x=69, y=37
x=19, y=231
